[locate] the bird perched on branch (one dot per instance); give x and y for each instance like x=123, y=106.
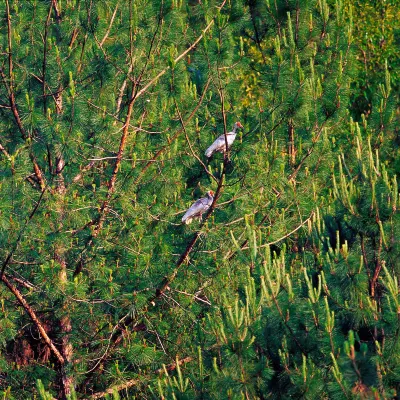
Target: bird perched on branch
x=220, y=145
x=198, y=208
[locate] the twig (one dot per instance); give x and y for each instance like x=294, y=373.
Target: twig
x=10, y=91
x=135, y=382
x=190, y=145
x=84, y=169
x=285, y=236
x=23, y=282
x=29, y=218
x=195, y=296
x=4, y=151
x=122, y=90
x=110, y=25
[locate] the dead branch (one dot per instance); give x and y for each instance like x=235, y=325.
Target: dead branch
x=10, y=91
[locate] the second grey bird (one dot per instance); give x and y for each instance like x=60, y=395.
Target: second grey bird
x=220, y=145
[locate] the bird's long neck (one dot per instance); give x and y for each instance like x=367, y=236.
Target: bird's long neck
x=234, y=130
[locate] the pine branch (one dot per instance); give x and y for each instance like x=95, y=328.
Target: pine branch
x=9, y=35
x=74, y=35
x=285, y=236
x=10, y=90
x=33, y=317
x=4, y=151
x=15, y=246
x=10, y=87
x=23, y=282
x=122, y=91
x=291, y=146
x=177, y=59
x=110, y=25
x=111, y=184
x=375, y=277
x=190, y=145
x=13, y=105
x=136, y=382
x=57, y=10
x=46, y=31
x=168, y=280
x=222, y=98
x=125, y=131
x=163, y=149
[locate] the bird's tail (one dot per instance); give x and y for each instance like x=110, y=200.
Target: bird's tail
x=210, y=151
x=187, y=220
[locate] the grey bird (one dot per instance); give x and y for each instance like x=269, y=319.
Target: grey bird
x=220, y=145
x=198, y=208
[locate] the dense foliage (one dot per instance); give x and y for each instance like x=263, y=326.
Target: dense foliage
x=287, y=288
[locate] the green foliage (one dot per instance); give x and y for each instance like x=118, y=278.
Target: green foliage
x=288, y=288
x=377, y=37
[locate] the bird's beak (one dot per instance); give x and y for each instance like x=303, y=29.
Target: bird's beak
x=239, y=125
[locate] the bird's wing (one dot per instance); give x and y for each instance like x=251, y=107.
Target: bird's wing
x=216, y=146
x=199, y=207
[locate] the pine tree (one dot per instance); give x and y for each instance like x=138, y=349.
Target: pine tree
x=100, y=99
x=287, y=288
